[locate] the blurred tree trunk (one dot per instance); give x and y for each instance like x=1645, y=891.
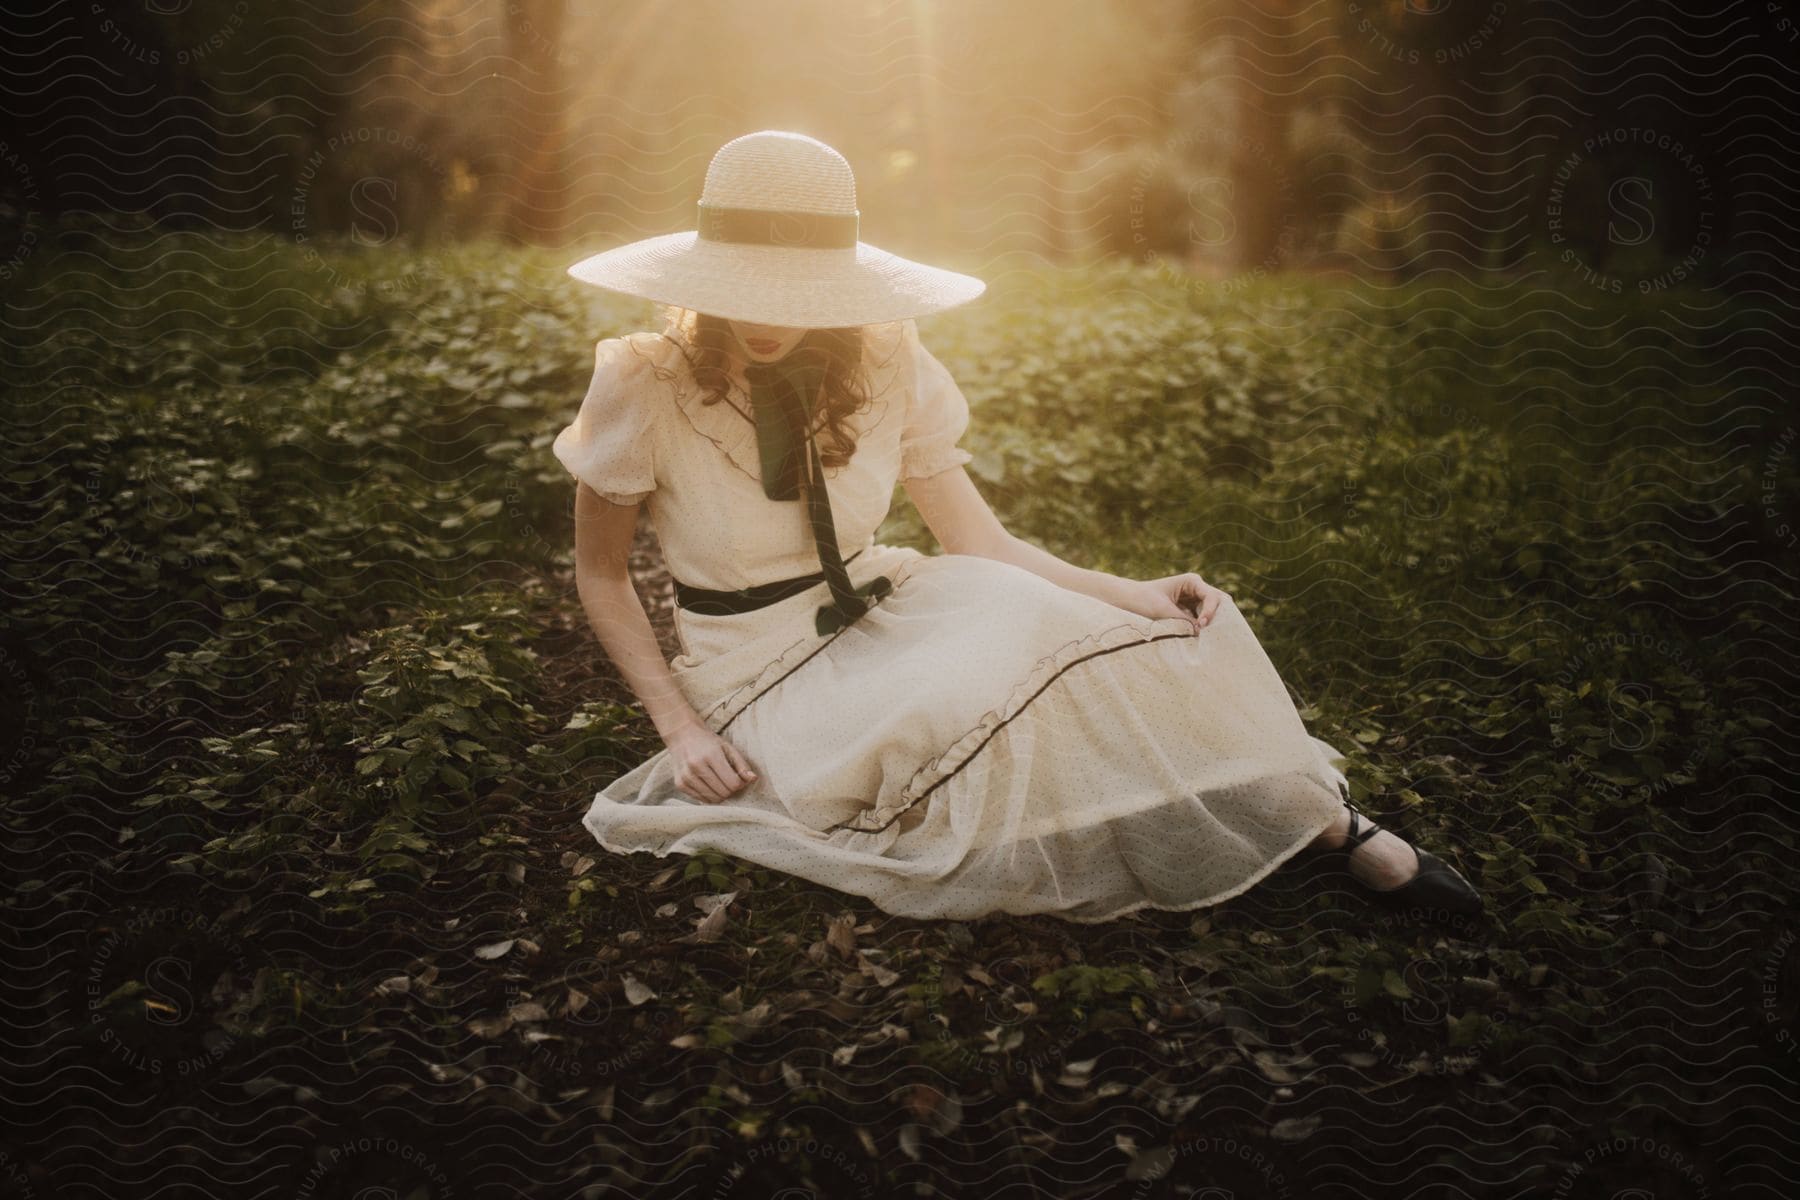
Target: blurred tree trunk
x=1265, y=110
x=537, y=115
x=1253, y=151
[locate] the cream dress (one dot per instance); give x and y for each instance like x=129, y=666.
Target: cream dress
x=981, y=740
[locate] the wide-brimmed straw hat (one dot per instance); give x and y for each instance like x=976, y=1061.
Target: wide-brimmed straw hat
x=777, y=243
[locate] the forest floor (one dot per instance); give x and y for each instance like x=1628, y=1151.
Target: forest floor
x=302, y=713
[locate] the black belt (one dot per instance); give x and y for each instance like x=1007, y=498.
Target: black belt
x=711, y=602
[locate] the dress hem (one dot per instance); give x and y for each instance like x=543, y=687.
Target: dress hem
x=1267, y=869
x=1275, y=863
x=723, y=711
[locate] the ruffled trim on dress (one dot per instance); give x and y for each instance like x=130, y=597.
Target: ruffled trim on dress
x=1045, y=672
x=722, y=712
x=961, y=751
x=722, y=424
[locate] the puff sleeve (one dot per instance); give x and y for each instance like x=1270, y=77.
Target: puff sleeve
x=937, y=413
x=611, y=444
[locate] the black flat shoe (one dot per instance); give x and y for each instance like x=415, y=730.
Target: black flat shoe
x=1435, y=890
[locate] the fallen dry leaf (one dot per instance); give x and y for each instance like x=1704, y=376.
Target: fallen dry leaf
x=489, y=1027
x=1295, y=1129
x=841, y=935
x=712, y=925
x=880, y=974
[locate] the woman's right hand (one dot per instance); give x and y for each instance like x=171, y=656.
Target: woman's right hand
x=707, y=767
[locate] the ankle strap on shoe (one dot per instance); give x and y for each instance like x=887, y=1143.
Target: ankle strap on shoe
x=1356, y=836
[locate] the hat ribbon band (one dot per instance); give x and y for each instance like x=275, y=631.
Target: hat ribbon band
x=778, y=227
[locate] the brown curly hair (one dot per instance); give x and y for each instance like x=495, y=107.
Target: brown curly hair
x=704, y=340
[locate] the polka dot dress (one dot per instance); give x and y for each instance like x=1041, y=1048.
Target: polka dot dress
x=981, y=740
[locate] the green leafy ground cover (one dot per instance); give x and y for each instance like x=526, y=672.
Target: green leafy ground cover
x=302, y=714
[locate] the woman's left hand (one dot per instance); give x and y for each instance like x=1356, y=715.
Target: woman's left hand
x=1187, y=596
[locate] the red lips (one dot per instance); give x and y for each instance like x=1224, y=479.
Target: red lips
x=762, y=345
